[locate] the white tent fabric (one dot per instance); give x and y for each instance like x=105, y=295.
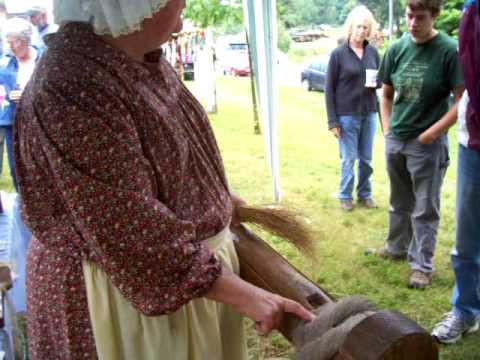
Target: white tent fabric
x=21, y=6
x=261, y=20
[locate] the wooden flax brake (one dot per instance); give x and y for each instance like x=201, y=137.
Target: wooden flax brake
x=387, y=335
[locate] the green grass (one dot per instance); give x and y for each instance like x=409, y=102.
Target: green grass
x=309, y=177
x=5, y=180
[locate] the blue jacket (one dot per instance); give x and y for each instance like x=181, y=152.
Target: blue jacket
x=8, y=78
x=7, y=110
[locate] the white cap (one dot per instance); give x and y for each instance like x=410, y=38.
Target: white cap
x=108, y=17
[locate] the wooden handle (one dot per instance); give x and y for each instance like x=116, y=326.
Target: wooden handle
x=386, y=335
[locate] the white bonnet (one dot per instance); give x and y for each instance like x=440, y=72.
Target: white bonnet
x=108, y=17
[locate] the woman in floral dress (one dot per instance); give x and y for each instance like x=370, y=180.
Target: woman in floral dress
x=125, y=192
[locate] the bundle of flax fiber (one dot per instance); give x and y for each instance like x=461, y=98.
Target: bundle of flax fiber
x=285, y=223
x=321, y=338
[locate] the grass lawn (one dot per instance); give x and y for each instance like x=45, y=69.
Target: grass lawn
x=309, y=178
x=5, y=181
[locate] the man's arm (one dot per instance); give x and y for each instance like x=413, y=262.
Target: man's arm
x=386, y=107
x=446, y=121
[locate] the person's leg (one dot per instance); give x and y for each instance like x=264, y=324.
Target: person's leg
x=465, y=315
x=3, y=134
x=426, y=164
x=466, y=253
x=348, y=141
x=365, y=150
x=20, y=241
x=2, y=141
x=401, y=198
x=11, y=160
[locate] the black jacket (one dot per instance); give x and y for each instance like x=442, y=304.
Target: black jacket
x=345, y=91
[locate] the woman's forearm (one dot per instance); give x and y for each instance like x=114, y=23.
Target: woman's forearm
x=263, y=307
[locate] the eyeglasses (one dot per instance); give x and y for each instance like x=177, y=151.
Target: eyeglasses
x=15, y=42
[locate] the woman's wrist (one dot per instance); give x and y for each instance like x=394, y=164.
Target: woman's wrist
x=228, y=288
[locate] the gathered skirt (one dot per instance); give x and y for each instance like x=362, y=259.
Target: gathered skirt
x=202, y=329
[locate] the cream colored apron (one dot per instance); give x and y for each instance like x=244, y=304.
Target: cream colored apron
x=200, y=330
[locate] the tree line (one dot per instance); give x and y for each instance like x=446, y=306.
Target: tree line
x=228, y=14
x=305, y=13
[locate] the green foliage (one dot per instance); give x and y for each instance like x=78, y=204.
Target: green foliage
x=380, y=10
x=449, y=18
x=294, y=13
x=308, y=12
x=228, y=15
x=343, y=9
x=284, y=39
x=205, y=13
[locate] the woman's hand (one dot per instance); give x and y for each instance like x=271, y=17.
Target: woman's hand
x=263, y=307
x=267, y=310
x=336, y=132
x=236, y=201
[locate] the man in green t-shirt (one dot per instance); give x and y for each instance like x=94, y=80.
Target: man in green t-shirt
x=418, y=74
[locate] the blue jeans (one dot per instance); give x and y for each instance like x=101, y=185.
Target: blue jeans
x=356, y=143
x=20, y=240
x=466, y=252
x=7, y=130
x=3, y=134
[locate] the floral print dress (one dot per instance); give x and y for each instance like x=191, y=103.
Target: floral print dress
x=117, y=164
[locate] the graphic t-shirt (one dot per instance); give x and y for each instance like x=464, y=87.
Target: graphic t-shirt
x=422, y=76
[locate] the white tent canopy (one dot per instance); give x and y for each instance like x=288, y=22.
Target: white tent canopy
x=261, y=20
x=21, y=6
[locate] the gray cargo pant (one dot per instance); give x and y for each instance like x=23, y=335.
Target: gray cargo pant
x=416, y=173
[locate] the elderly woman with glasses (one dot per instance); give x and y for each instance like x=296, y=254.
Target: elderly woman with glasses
x=125, y=192
x=15, y=71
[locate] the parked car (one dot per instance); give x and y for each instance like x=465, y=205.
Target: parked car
x=232, y=58
x=314, y=75
x=237, y=66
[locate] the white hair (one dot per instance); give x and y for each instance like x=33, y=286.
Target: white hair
x=18, y=28
x=360, y=13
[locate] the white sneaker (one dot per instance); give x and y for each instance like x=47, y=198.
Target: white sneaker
x=451, y=328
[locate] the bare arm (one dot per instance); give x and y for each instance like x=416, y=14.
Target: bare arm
x=236, y=201
x=446, y=121
x=265, y=308
x=386, y=106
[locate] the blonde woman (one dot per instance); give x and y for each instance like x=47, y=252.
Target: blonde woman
x=352, y=106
